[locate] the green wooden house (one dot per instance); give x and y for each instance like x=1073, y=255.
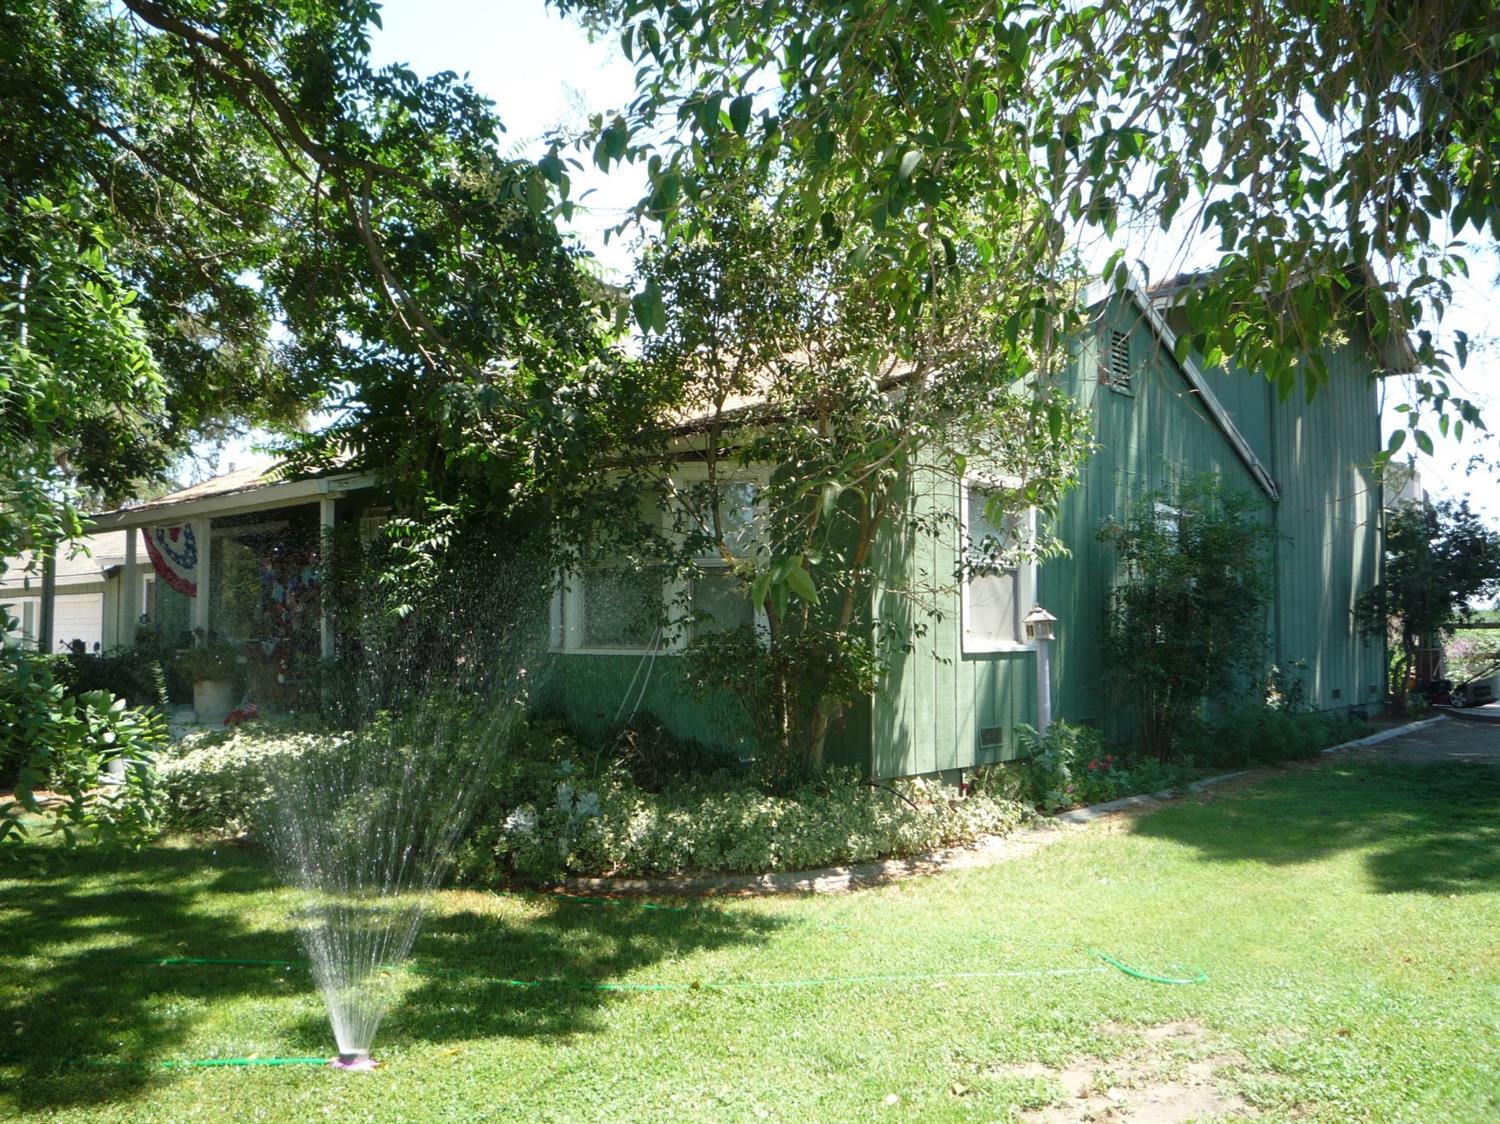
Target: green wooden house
x=953, y=702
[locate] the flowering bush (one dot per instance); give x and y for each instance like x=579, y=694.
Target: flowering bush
x=220, y=782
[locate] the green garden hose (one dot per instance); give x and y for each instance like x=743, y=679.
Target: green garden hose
x=695, y=985
x=1198, y=978
x=173, y=1063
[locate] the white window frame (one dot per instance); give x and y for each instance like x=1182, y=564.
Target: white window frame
x=568, y=622
x=565, y=628
x=1025, y=572
x=685, y=476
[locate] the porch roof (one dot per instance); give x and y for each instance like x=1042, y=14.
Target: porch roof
x=247, y=489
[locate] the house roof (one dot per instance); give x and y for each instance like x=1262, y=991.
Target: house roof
x=102, y=551
x=246, y=489
x=237, y=481
x=738, y=409
x=1401, y=358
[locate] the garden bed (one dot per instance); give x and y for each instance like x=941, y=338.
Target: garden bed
x=554, y=809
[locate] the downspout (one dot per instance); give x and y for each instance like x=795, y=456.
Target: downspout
x=1273, y=428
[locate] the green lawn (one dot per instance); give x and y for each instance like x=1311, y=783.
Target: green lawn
x=1347, y=918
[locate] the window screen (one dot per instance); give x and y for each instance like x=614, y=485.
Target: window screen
x=621, y=607
x=993, y=595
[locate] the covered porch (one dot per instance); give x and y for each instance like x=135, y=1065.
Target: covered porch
x=237, y=559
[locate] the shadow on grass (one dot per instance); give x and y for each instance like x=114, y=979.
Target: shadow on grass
x=1429, y=828
x=60, y=1005
x=466, y=963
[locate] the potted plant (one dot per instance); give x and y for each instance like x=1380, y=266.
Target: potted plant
x=210, y=666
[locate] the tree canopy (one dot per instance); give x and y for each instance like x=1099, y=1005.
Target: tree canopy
x=1298, y=139
x=1440, y=560
x=234, y=217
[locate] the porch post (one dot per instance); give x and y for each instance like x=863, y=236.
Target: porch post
x=129, y=594
x=203, y=536
x=327, y=514
x=47, y=609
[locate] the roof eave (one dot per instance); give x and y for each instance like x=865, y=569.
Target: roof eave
x=256, y=497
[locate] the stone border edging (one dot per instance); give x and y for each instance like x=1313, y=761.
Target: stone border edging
x=830, y=879
x=1387, y=735
x=985, y=852
x=1095, y=811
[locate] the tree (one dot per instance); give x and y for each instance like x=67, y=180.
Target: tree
x=796, y=374
x=1440, y=559
x=1305, y=138
x=1187, y=622
x=224, y=169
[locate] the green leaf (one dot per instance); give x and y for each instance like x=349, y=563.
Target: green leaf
x=801, y=583
x=1424, y=442
x=739, y=114
x=1394, y=444
x=909, y=163
x=759, y=589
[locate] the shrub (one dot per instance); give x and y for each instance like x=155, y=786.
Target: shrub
x=138, y=679
x=656, y=757
x=552, y=808
x=90, y=748
x=1255, y=734
x=1187, y=620
x=214, y=660
x=552, y=812
x=1069, y=766
x=220, y=782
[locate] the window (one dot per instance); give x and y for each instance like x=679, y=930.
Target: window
x=617, y=607
x=717, y=599
x=995, y=588
x=720, y=602
x=620, y=607
x=1114, y=367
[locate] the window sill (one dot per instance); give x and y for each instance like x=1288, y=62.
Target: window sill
x=604, y=651
x=996, y=647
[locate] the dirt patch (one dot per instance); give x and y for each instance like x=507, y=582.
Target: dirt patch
x=1153, y=1082
x=1185, y=1028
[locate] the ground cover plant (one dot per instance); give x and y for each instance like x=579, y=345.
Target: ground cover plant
x=1375, y=1005
x=555, y=807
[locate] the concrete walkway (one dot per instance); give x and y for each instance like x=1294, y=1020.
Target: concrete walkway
x=1455, y=740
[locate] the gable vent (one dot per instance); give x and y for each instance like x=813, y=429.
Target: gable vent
x=1117, y=361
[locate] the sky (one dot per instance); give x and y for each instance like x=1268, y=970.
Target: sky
x=543, y=72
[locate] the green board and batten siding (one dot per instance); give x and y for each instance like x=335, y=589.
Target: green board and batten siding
x=943, y=709
x=931, y=713
x=1330, y=521
x=1329, y=518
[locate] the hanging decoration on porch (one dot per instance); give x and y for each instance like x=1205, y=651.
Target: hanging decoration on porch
x=174, y=555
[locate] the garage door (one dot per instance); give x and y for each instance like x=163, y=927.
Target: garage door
x=80, y=616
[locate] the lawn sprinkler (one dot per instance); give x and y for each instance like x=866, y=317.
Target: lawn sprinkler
x=356, y=1061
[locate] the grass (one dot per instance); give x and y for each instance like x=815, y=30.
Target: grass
x=1346, y=917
